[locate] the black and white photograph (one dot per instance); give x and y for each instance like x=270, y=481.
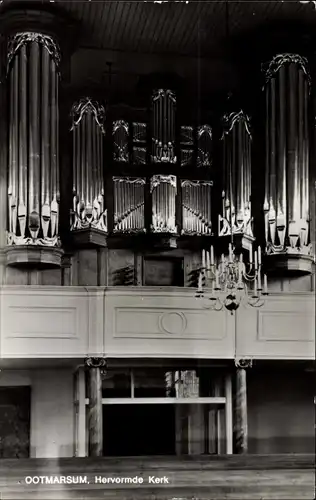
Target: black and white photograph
x=157, y=249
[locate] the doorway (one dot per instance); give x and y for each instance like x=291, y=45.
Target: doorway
x=138, y=429
x=15, y=422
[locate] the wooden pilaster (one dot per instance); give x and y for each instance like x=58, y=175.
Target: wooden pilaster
x=241, y=417
x=95, y=420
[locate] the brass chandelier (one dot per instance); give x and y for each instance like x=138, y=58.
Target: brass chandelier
x=231, y=281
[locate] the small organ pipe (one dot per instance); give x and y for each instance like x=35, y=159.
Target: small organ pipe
x=23, y=127
x=34, y=140
x=272, y=163
x=301, y=162
x=21, y=208
x=45, y=129
x=281, y=207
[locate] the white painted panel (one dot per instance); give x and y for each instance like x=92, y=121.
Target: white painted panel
x=44, y=322
x=164, y=322
x=156, y=322
x=284, y=328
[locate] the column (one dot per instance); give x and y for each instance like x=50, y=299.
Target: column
x=286, y=202
x=236, y=195
x=33, y=61
x=88, y=179
x=95, y=414
x=241, y=418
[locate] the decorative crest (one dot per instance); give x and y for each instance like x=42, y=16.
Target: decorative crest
x=280, y=60
x=20, y=39
x=156, y=180
x=230, y=120
x=85, y=106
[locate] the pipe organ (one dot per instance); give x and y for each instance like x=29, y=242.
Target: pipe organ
x=236, y=202
x=163, y=190
x=129, y=204
x=163, y=116
x=88, y=182
x=196, y=207
x=33, y=169
x=286, y=202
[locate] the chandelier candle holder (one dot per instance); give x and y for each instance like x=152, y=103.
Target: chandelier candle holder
x=230, y=281
x=286, y=203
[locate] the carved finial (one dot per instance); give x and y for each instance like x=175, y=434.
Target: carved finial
x=243, y=363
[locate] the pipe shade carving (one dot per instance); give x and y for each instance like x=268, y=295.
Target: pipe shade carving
x=88, y=180
x=196, y=146
x=187, y=146
x=286, y=202
x=196, y=207
x=163, y=190
x=139, y=143
x=204, y=146
x=236, y=204
x=120, y=134
x=33, y=180
x=129, y=204
x=163, y=116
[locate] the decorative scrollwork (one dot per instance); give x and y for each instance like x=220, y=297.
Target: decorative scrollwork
x=231, y=119
x=279, y=60
x=86, y=105
x=95, y=362
x=20, y=39
x=243, y=363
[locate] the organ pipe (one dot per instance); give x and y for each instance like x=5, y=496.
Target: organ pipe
x=32, y=71
x=196, y=207
x=129, y=204
x=286, y=204
x=163, y=126
x=163, y=190
x=236, y=205
x=88, y=181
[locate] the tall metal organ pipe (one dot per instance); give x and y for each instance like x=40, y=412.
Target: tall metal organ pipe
x=88, y=180
x=236, y=203
x=163, y=118
x=286, y=202
x=33, y=192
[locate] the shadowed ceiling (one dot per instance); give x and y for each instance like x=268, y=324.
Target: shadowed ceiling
x=176, y=28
